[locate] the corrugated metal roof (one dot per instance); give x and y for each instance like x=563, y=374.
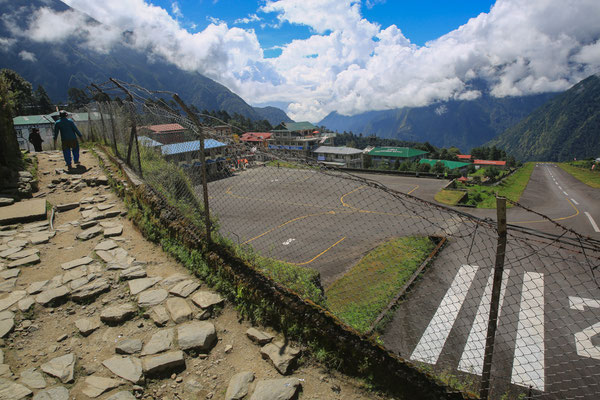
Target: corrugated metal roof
x=337, y=150
x=464, y=156
x=447, y=164
x=255, y=136
x=400, y=152
x=146, y=141
x=299, y=126
x=187, y=147
x=32, y=120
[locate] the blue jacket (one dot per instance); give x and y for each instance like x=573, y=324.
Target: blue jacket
x=67, y=130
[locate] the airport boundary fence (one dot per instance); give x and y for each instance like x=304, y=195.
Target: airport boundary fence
x=497, y=309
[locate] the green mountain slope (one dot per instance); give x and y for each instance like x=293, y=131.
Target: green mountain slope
x=58, y=66
x=564, y=128
x=464, y=124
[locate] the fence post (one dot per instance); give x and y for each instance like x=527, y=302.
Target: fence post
x=133, y=134
x=484, y=390
x=194, y=119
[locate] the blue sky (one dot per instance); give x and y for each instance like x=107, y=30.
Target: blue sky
x=313, y=57
x=420, y=21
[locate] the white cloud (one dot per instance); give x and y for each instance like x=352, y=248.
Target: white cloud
x=519, y=47
x=6, y=43
x=176, y=10
x=248, y=19
x=27, y=56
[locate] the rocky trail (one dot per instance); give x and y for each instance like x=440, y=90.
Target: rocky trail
x=90, y=309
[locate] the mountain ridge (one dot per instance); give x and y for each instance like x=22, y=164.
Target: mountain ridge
x=70, y=64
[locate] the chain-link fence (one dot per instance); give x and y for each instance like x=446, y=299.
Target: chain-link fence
x=417, y=277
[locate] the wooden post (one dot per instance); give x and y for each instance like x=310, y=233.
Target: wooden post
x=196, y=122
x=133, y=135
x=484, y=390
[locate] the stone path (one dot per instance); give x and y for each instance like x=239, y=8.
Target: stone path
x=91, y=310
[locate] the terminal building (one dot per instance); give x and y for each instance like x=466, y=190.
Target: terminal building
x=297, y=138
x=389, y=155
x=341, y=157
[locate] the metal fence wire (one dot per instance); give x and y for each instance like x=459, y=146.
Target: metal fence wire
x=417, y=277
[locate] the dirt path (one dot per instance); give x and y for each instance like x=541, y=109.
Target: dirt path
x=64, y=315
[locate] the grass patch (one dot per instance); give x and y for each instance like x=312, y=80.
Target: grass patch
x=512, y=188
x=450, y=197
x=582, y=172
x=363, y=292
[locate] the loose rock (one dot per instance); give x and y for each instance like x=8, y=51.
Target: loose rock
x=87, y=325
x=76, y=263
x=196, y=335
x=167, y=361
x=159, y=342
x=151, y=298
x=33, y=379
x=281, y=355
x=128, y=346
x=184, y=288
x=280, y=389
x=89, y=233
x=238, y=385
x=96, y=385
x=159, y=315
x=118, y=314
x=55, y=393
x=61, y=367
x=179, y=309
x=12, y=390
x=51, y=295
x=205, y=299
x=258, y=336
x=139, y=285
x=129, y=368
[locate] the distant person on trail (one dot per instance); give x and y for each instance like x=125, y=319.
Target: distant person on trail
x=36, y=139
x=68, y=130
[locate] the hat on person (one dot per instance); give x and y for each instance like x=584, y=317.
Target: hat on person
x=63, y=113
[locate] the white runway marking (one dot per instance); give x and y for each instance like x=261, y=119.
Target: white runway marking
x=528, y=363
x=560, y=187
x=566, y=194
x=583, y=343
x=471, y=360
x=574, y=202
x=430, y=345
x=290, y=240
x=592, y=221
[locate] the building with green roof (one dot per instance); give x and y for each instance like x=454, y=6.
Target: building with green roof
x=387, y=155
x=446, y=163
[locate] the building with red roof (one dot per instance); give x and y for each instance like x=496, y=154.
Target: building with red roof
x=463, y=156
x=488, y=163
x=165, y=133
x=250, y=137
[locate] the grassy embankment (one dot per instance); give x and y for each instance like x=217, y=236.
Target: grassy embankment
x=366, y=289
x=450, y=197
x=511, y=187
x=582, y=172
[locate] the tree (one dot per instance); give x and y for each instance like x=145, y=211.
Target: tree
x=9, y=147
x=77, y=97
x=42, y=100
x=18, y=91
x=368, y=162
x=424, y=167
x=438, y=168
x=491, y=172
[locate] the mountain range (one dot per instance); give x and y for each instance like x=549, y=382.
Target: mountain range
x=566, y=127
x=461, y=123
x=58, y=66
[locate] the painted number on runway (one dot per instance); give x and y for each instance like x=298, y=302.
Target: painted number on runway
x=583, y=339
x=290, y=240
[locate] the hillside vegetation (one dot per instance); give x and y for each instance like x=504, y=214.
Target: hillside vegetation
x=564, y=128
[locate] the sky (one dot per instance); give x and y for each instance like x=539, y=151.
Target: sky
x=312, y=57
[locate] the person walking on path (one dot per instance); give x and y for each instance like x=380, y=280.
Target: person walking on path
x=68, y=131
x=36, y=139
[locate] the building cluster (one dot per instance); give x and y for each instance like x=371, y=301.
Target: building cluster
x=300, y=139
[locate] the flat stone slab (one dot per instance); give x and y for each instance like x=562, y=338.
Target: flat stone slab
x=196, y=335
x=129, y=346
x=32, y=259
x=87, y=326
x=179, y=309
x=89, y=233
x=75, y=273
x=117, y=255
x=91, y=290
x=55, y=393
x=8, y=285
x=184, y=288
x=50, y=295
x=128, y=368
x=23, y=211
x=25, y=303
x=105, y=245
x=76, y=263
x=9, y=274
x=10, y=251
x=67, y=206
x=11, y=299
x=172, y=280
x=139, y=285
x=163, y=362
x=114, y=231
x=10, y=390
x=259, y=337
x=135, y=272
x=6, y=326
x=23, y=253
x=37, y=287
x=159, y=315
x=159, y=342
x=96, y=385
x=61, y=367
x=41, y=237
x=118, y=314
x=124, y=395
x=280, y=389
x=32, y=379
x=204, y=299
x=281, y=356
x=151, y=298
x=238, y=385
